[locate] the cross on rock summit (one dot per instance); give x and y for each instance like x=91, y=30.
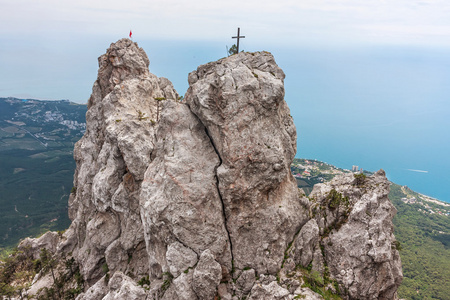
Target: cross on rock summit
x=238, y=37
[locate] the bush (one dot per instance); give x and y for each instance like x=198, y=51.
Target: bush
x=334, y=199
x=360, y=179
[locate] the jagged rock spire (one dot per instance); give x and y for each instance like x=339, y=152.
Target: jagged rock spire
x=199, y=197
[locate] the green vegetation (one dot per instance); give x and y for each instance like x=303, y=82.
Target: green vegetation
x=320, y=284
x=18, y=270
x=232, y=50
x=105, y=270
x=168, y=277
x=141, y=116
x=424, y=240
x=334, y=199
x=144, y=281
x=36, y=166
x=360, y=179
x=34, y=200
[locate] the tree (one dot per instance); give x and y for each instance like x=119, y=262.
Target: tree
x=49, y=263
x=232, y=50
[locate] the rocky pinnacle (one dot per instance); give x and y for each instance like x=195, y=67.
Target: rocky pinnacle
x=197, y=197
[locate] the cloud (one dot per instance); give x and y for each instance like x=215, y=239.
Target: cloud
x=291, y=21
x=419, y=171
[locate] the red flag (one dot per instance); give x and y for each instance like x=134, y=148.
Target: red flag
x=130, y=33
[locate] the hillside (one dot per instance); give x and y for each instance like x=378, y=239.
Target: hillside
x=422, y=226
x=36, y=165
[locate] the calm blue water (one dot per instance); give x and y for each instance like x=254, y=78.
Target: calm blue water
x=376, y=108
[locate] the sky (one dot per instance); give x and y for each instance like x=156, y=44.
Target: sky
x=367, y=81
x=49, y=47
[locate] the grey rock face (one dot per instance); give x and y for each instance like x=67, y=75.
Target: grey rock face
x=239, y=100
x=271, y=291
x=118, y=287
x=123, y=60
x=123, y=287
x=306, y=243
x=358, y=240
x=179, y=197
x=180, y=258
x=48, y=241
x=181, y=288
x=207, y=276
x=97, y=291
x=111, y=161
x=246, y=281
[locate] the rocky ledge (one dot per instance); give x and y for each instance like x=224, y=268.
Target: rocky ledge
x=195, y=199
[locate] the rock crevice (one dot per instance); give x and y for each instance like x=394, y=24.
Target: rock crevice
x=220, y=196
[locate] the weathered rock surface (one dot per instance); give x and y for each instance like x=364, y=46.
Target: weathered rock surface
x=118, y=287
x=357, y=235
x=111, y=161
x=246, y=281
x=181, y=288
x=49, y=241
x=207, y=276
x=306, y=243
x=271, y=291
x=240, y=101
x=199, y=197
x=180, y=203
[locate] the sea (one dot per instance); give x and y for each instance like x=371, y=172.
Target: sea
x=375, y=107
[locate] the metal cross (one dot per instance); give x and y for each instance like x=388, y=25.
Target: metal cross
x=238, y=37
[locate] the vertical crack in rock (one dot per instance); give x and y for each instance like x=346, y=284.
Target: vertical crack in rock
x=244, y=111
x=220, y=194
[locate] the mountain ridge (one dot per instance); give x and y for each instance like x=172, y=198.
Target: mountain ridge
x=202, y=191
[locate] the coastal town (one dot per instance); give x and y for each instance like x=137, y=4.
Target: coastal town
x=34, y=124
x=427, y=205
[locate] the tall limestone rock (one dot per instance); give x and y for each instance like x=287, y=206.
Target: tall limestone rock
x=198, y=195
x=111, y=161
x=240, y=101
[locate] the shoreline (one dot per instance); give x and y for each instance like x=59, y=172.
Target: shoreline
x=434, y=200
